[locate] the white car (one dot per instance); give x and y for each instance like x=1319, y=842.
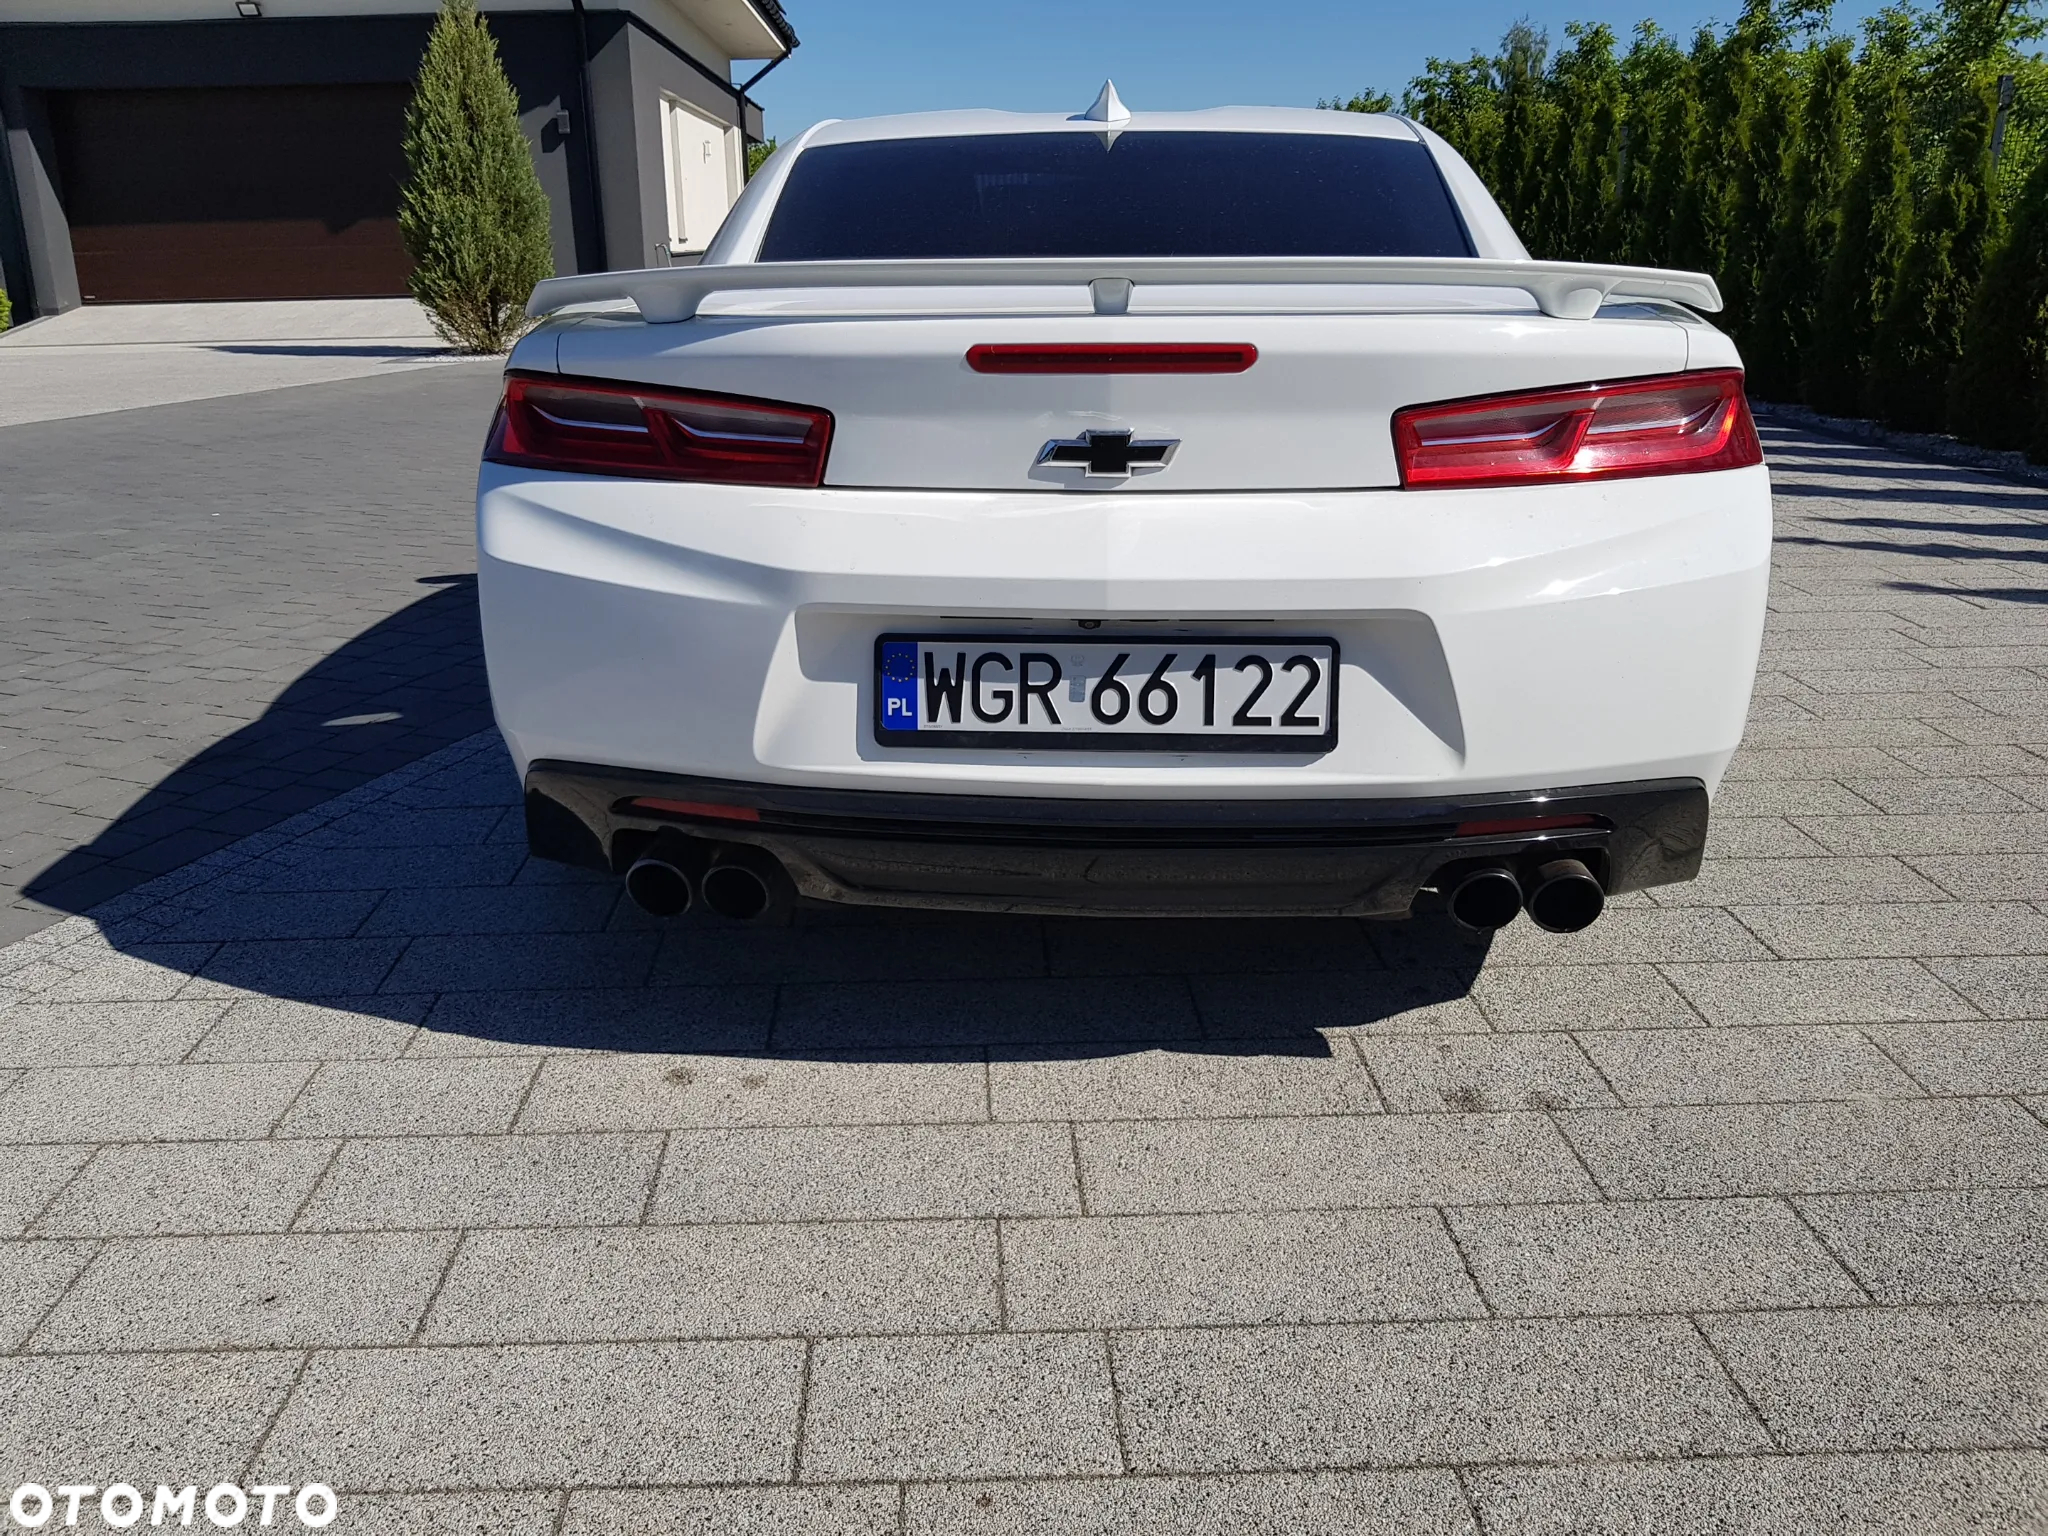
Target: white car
x=1208, y=512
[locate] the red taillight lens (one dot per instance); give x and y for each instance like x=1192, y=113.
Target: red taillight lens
x=696, y=808
x=1664, y=426
x=1114, y=357
x=621, y=429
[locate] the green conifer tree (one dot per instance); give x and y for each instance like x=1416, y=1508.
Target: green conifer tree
x=2004, y=366
x=1919, y=337
x=1872, y=231
x=1788, y=291
x=472, y=213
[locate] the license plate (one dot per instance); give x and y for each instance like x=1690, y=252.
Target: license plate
x=1156, y=693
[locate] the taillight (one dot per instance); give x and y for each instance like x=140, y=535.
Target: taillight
x=1112, y=357
x=656, y=434
x=1664, y=426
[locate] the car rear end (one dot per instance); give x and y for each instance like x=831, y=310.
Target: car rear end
x=1029, y=589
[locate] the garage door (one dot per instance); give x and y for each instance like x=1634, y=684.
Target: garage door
x=247, y=193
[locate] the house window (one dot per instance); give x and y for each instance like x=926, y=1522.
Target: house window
x=702, y=158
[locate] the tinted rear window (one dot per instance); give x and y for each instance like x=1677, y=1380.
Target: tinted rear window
x=1148, y=194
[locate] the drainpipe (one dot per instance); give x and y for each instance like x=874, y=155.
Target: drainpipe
x=589, y=136
x=739, y=94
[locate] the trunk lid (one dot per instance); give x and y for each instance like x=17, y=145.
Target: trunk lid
x=1312, y=413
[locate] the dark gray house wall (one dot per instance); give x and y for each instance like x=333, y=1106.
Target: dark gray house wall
x=603, y=176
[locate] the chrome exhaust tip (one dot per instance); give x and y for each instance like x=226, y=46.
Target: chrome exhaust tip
x=659, y=888
x=747, y=884
x=1486, y=899
x=1564, y=897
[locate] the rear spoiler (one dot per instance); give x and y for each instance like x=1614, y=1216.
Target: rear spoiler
x=1568, y=289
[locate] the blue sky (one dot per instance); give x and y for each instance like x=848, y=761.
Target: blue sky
x=863, y=57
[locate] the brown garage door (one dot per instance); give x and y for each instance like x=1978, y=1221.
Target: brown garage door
x=247, y=193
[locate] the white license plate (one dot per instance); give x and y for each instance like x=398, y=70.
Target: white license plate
x=1179, y=694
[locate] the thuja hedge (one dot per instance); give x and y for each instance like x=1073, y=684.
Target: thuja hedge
x=1874, y=257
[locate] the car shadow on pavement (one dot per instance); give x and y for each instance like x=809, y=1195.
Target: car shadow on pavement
x=416, y=903
x=407, y=686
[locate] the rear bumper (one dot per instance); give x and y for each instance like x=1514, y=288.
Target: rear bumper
x=1358, y=857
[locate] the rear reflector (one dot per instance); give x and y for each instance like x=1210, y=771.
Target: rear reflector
x=696, y=808
x=1677, y=424
x=1521, y=824
x=588, y=427
x=1114, y=357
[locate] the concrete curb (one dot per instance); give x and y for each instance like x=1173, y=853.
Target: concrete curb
x=1924, y=445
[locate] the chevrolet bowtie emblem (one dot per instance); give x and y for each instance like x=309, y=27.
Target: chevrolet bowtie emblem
x=1110, y=454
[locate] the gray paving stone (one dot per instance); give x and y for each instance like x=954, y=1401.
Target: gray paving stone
x=1023, y=1011
x=1415, y=998
x=448, y=1514
x=664, y=1092
x=388, y=869
x=1578, y=997
x=505, y=962
x=1472, y=1073
x=501, y=909
x=1956, y=833
x=2006, y=987
x=711, y=953
x=1190, y=1081
x=703, y=1412
x=186, y=1187
x=1997, y=1056
x=1778, y=764
x=857, y=1510
x=1796, y=881
x=484, y=1181
x=1758, y=837
x=1651, y=934
x=410, y=1098
x=994, y=1405
x=652, y=1019
x=279, y=915
x=1742, y=1149
x=1999, y=1494
x=1399, y=1394
x=1900, y=929
x=1257, y=1504
x=1736, y=1066
x=116, y=1418
x=704, y=1281
x=296, y=967
x=1165, y=1167
x=1901, y=1378
x=1938, y=796
x=263, y=1292
x=1818, y=992
x=145, y=974
x=866, y=1173
x=1959, y=1245
x=1169, y=1271
x=101, y=1034
x=1984, y=876
x=1789, y=797
x=29, y=1176
x=1651, y=1256
x=1179, y=947
x=149, y=1103
x=32, y=1276
x=324, y=1029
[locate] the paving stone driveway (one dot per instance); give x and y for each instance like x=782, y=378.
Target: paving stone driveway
x=365, y=1150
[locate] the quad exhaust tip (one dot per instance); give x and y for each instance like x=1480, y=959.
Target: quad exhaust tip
x=1564, y=897
x=737, y=881
x=1560, y=896
x=1486, y=899
x=659, y=888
